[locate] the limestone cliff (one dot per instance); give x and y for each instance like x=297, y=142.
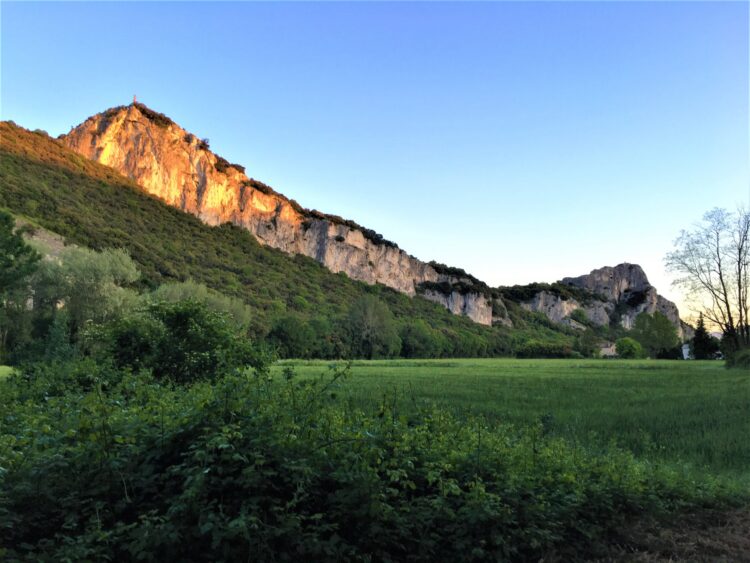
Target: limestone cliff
x=174, y=165
x=606, y=295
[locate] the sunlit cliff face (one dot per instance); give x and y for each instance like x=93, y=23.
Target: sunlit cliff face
x=172, y=164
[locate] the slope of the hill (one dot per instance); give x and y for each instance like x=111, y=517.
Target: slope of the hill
x=92, y=205
x=173, y=164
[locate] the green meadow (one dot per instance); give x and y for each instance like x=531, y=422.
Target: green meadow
x=695, y=414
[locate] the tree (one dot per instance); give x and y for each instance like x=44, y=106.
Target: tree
x=372, y=329
x=656, y=334
x=587, y=343
x=236, y=308
x=183, y=341
x=18, y=261
x=90, y=285
x=292, y=337
x=712, y=261
x=704, y=345
x=628, y=348
x=418, y=340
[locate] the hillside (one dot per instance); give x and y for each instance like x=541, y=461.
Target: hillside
x=92, y=205
x=178, y=167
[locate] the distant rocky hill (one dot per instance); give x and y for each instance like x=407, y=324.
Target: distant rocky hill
x=178, y=167
x=606, y=296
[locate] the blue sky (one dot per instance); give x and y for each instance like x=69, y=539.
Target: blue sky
x=520, y=141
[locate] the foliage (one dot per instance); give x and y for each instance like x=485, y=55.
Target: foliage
x=155, y=117
x=628, y=348
x=101, y=465
x=713, y=262
x=91, y=285
x=580, y=316
x=292, y=337
x=521, y=293
x=656, y=334
x=538, y=349
x=739, y=359
x=235, y=308
x=704, y=346
x=372, y=329
x=418, y=340
x=183, y=341
x=18, y=261
x=587, y=343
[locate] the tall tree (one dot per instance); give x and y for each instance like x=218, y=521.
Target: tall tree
x=373, y=329
x=712, y=261
x=656, y=334
x=17, y=262
x=17, y=259
x=704, y=345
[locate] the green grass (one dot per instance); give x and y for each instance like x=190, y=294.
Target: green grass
x=695, y=413
x=5, y=371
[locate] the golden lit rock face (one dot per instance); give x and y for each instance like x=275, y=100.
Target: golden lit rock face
x=170, y=163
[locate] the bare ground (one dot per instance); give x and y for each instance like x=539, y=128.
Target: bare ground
x=707, y=537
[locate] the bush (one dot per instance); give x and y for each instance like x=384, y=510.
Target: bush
x=538, y=349
x=739, y=359
x=183, y=341
x=629, y=348
x=418, y=340
x=292, y=337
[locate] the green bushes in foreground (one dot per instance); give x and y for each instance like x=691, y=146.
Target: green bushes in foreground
x=99, y=464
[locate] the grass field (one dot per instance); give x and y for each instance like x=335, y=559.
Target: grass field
x=5, y=371
x=695, y=413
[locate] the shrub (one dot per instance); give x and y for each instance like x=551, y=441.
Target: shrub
x=538, y=349
x=739, y=359
x=629, y=348
x=155, y=117
x=183, y=341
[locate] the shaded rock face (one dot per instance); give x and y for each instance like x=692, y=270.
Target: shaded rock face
x=626, y=284
x=475, y=306
x=616, y=294
x=559, y=310
x=175, y=166
x=626, y=287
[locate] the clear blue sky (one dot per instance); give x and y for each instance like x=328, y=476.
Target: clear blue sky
x=520, y=141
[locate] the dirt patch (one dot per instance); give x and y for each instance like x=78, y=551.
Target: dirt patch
x=49, y=243
x=710, y=536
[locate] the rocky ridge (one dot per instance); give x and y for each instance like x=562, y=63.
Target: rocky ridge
x=609, y=295
x=174, y=165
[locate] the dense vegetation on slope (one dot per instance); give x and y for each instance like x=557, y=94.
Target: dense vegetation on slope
x=91, y=205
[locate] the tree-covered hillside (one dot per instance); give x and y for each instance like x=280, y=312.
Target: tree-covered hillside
x=92, y=205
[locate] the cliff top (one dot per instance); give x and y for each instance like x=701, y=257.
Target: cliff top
x=140, y=112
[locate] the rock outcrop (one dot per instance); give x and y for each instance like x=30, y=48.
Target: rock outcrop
x=174, y=165
x=607, y=295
